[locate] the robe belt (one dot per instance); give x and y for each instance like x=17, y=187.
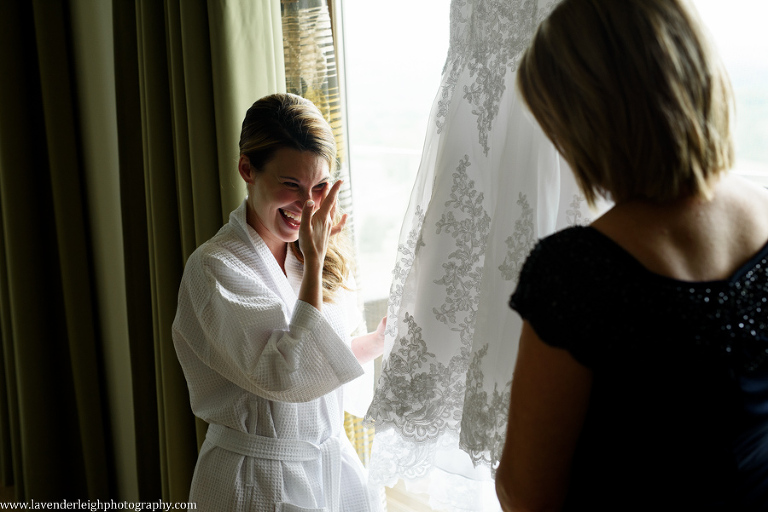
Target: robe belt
x=291, y=450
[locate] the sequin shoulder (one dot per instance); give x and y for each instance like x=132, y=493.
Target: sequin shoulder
x=582, y=292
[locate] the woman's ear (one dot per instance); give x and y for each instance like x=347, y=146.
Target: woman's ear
x=246, y=171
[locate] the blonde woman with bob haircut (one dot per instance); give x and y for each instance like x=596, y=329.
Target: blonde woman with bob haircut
x=264, y=329
x=642, y=377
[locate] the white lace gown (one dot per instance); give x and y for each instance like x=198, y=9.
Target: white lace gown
x=489, y=185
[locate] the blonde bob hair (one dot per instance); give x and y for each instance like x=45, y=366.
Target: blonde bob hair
x=634, y=97
x=289, y=121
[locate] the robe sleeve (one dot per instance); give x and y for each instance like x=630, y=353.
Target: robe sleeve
x=238, y=327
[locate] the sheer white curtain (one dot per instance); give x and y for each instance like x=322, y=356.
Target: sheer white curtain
x=489, y=185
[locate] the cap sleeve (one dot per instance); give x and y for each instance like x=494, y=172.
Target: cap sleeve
x=552, y=295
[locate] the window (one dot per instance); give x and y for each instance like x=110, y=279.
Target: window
x=738, y=30
x=394, y=54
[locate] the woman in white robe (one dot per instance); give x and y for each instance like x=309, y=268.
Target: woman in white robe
x=263, y=329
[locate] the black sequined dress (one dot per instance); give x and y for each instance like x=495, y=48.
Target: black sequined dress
x=678, y=415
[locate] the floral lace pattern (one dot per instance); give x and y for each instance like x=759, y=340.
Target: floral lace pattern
x=484, y=422
x=416, y=392
x=487, y=39
x=464, y=268
x=574, y=214
x=419, y=394
x=406, y=254
x=394, y=456
x=520, y=243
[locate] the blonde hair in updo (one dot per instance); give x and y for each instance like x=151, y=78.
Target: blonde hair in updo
x=289, y=121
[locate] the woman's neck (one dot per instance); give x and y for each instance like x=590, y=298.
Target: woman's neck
x=693, y=239
x=277, y=247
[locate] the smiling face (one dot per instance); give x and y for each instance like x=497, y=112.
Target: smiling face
x=277, y=193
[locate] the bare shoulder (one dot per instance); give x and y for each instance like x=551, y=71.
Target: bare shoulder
x=693, y=239
x=745, y=208
x=749, y=194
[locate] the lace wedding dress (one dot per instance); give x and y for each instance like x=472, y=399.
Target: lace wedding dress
x=489, y=185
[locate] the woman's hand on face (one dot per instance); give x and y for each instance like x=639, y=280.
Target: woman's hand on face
x=317, y=226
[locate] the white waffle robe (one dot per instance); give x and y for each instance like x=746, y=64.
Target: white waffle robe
x=266, y=370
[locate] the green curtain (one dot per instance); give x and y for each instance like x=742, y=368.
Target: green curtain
x=50, y=339
x=119, y=124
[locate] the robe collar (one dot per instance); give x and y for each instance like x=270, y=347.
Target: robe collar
x=285, y=286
